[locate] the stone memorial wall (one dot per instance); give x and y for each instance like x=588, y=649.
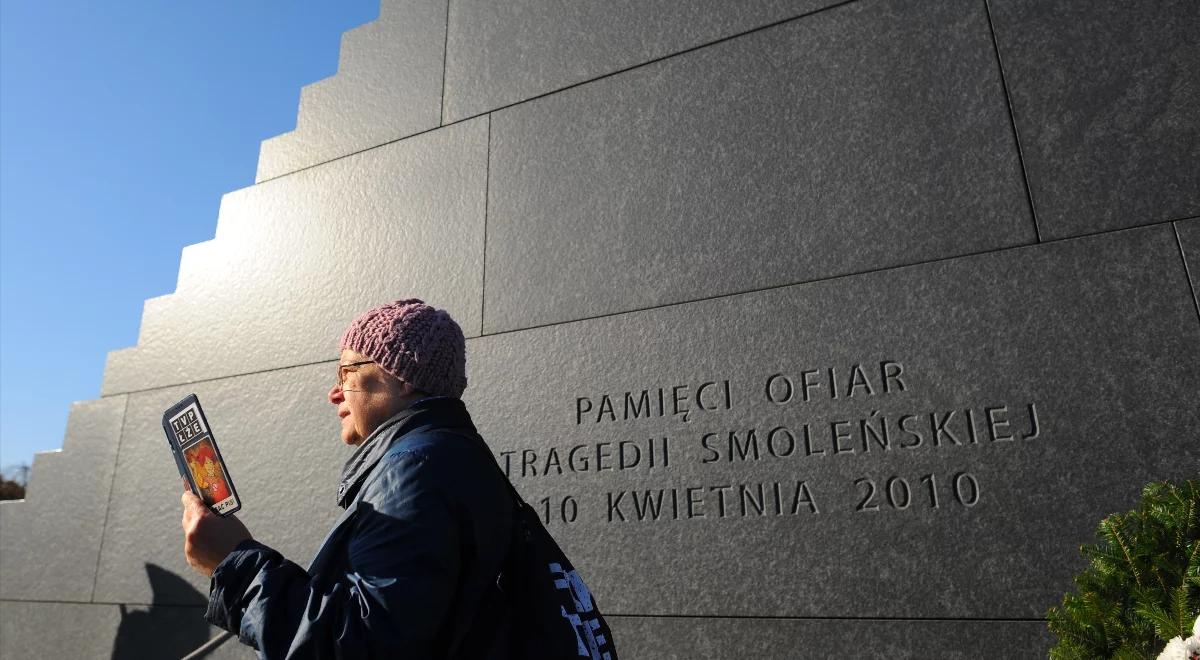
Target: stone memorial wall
x=812, y=329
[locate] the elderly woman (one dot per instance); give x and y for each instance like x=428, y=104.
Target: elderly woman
x=427, y=521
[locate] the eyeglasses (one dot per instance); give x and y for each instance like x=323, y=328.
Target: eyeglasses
x=343, y=369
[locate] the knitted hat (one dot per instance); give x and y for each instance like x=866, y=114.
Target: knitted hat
x=413, y=342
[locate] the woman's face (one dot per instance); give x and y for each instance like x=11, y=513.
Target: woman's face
x=367, y=397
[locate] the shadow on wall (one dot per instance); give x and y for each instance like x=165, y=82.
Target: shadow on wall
x=166, y=630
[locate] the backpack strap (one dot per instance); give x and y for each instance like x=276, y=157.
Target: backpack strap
x=480, y=640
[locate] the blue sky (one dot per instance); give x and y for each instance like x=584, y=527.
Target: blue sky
x=121, y=125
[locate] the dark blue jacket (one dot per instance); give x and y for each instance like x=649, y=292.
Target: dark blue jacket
x=426, y=529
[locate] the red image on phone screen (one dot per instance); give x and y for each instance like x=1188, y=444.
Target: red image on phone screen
x=207, y=473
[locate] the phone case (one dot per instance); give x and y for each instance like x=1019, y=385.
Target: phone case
x=197, y=457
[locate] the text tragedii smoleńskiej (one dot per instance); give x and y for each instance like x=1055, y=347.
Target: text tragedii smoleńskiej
x=875, y=432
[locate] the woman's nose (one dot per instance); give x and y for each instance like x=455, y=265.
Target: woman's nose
x=335, y=395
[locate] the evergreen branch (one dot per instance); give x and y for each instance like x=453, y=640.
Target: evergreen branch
x=1190, y=519
x=1125, y=549
x=1127, y=652
x=1183, y=619
x=1164, y=624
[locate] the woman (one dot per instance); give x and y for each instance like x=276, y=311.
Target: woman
x=427, y=521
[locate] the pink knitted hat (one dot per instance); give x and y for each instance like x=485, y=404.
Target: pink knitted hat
x=413, y=342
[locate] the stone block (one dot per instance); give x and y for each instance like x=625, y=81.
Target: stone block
x=14, y=527
x=498, y=54
x=279, y=437
x=120, y=632
x=295, y=259
x=388, y=86
x=51, y=540
x=57, y=630
x=168, y=632
x=867, y=136
x=684, y=638
x=1188, y=233
x=1104, y=96
x=232, y=649
x=934, y=441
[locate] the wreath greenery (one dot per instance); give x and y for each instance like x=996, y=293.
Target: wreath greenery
x=1142, y=587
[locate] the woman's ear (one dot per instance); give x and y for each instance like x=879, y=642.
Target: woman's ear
x=405, y=388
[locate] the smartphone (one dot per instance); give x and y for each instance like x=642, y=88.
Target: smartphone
x=197, y=457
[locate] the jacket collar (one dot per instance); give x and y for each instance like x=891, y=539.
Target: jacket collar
x=441, y=411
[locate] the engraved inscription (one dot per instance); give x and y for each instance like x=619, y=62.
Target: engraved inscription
x=679, y=401
x=854, y=381
x=896, y=493
x=877, y=432
x=721, y=501
x=598, y=457
x=803, y=437
x=565, y=510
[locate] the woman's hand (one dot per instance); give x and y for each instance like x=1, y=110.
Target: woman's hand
x=207, y=537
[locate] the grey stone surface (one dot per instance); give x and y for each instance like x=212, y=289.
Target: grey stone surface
x=1091, y=341
x=1105, y=98
x=870, y=135
x=388, y=85
x=296, y=258
x=1189, y=241
x=79, y=630
x=501, y=53
x=169, y=632
x=14, y=522
x=234, y=649
x=684, y=638
x=279, y=437
x=56, y=630
x=51, y=540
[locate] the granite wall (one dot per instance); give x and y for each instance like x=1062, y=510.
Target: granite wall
x=814, y=329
